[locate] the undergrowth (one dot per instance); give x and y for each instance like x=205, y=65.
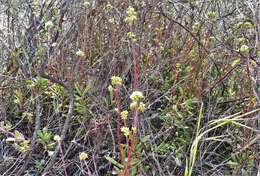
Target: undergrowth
x=129, y=87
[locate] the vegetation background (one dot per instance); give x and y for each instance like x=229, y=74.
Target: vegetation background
x=130, y=87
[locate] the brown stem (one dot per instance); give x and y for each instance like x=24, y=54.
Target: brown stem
x=250, y=105
x=63, y=161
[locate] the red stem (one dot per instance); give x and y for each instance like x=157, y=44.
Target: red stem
x=126, y=171
x=134, y=52
x=117, y=101
x=135, y=122
x=133, y=142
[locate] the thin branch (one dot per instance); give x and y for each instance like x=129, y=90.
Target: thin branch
x=182, y=26
x=63, y=133
x=28, y=157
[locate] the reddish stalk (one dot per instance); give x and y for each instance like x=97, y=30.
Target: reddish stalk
x=135, y=54
x=117, y=101
x=126, y=171
x=135, y=62
x=133, y=143
x=135, y=122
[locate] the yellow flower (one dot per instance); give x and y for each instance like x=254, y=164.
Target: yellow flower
x=80, y=53
x=134, y=129
x=136, y=96
x=19, y=136
x=124, y=115
x=83, y=156
x=141, y=107
x=211, y=14
x=49, y=24
x=116, y=81
x=86, y=3
x=133, y=105
x=57, y=138
x=244, y=49
x=131, y=15
x=125, y=131
x=109, y=6
x=131, y=36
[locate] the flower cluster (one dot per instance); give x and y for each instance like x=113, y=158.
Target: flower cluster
x=244, y=49
x=83, y=156
x=211, y=15
x=133, y=105
x=116, y=81
x=125, y=131
x=86, y=3
x=245, y=25
x=131, y=16
x=57, y=138
x=19, y=141
x=136, y=98
x=80, y=53
x=49, y=24
x=124, y=115
x=131, y=36
x=141, y=107
x=109, y=6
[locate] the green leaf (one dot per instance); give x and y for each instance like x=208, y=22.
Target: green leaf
x=114, y=162
x=232, y=163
